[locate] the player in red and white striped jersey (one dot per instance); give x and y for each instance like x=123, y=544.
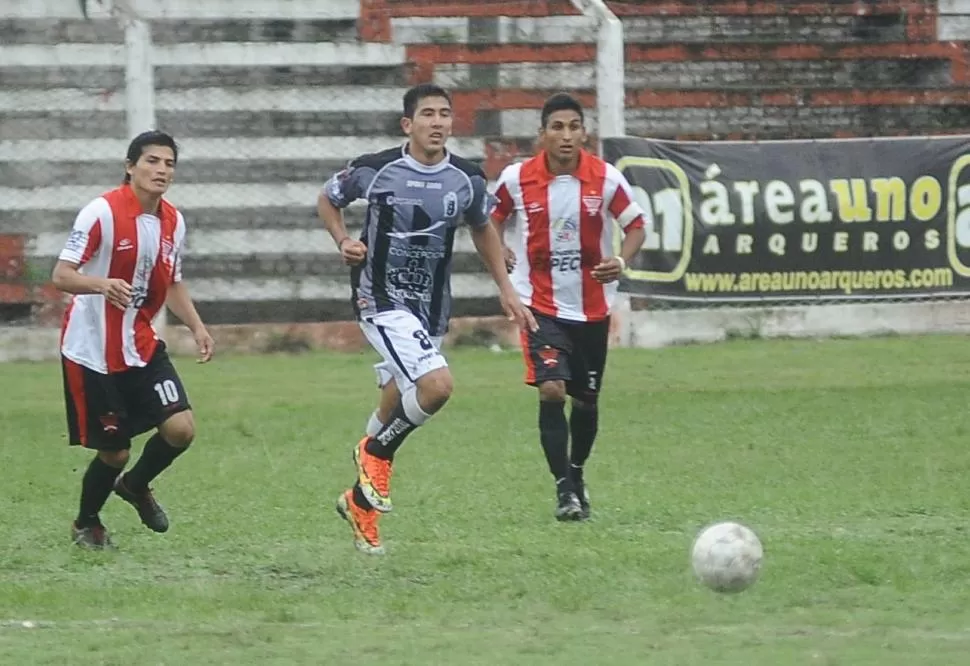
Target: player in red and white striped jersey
x=559, y=209
x=123, y=262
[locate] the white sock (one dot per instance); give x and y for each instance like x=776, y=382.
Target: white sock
x=412, y=409
x=374, y=424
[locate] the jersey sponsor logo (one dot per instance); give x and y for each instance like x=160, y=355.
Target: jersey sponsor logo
x=416, y=252
x=566, y=230
x=335, y=188
x=403, y=201
x=426, y=357
x=404, y=235
x=125, y=244
x=424, y=184
x=77, y=240
x=566, y=261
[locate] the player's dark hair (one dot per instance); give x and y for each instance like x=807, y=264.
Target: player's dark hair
x=151, y=138
x=561, y=102
x=419, y=92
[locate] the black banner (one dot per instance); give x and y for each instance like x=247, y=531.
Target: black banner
x=799, y=221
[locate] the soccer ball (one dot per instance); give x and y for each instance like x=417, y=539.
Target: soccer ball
x=726, y=557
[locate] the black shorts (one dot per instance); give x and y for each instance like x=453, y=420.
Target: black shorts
x=105, y=411
x=571, y=351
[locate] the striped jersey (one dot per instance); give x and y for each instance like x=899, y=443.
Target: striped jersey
x=413, y=213
x=561, y=228
x=113, y=238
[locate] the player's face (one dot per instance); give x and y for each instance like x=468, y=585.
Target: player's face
x=563, y=136
x=430, y=127
x=154, y=171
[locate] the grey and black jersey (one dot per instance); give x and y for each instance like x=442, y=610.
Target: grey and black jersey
x=413, y=212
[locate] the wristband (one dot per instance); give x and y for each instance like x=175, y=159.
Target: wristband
x=340, y=245
x=622, y=263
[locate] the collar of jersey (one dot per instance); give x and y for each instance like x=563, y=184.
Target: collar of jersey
x=424, y=168
x=134, y=205
x=584, y=171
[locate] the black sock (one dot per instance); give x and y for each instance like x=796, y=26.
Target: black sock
x=158, y=455
x=359, y=498
x=389, y=439
x=554, y=435
x=583, y=423
x=96, y=487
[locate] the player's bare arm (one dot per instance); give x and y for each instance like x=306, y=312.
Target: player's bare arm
x=611, y=268
x=352, y=251
x=180, y=303
x=509, y=256
x=507, y=253
x=489, y=246
x=67, y=278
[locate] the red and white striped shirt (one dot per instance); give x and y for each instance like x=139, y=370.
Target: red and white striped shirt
x=563, y=230
x=113, y=238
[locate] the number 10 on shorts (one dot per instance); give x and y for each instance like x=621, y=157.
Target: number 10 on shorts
x=168, y=392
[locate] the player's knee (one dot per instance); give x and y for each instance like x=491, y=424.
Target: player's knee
x=116, y=459
x=434, y=389
x=553, y=391
x=179, y=430
x=587, y=402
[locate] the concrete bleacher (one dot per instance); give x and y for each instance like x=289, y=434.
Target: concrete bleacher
x=265, y=109
x=267, y=106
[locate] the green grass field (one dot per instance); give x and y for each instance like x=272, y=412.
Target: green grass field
x=851, y=459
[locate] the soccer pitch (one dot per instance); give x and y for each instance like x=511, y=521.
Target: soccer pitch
x=850, y=458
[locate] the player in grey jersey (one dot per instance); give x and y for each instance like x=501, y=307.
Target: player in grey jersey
x=417, y=196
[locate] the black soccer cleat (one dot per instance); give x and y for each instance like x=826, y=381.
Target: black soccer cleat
x=568, y=507
x=151, y=512
x=94, y=537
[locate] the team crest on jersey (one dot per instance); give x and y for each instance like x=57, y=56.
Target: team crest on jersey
x=450, y=204
x=592, y=205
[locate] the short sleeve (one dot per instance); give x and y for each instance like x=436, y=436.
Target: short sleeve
x=504, y=204
x=349, y=184
x=84, y=241
x=623, y=206
x=482, y=202
x=180, y=233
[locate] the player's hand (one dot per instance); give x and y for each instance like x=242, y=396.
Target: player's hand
x=353, y=251
x=509, y=257
x=205, y=343
x=608, y=270
x=516, y=311
x=117, y=292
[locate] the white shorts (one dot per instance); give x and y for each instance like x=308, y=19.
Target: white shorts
x=407, y=350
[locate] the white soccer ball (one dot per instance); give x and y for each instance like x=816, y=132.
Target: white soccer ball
x=726, y=557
